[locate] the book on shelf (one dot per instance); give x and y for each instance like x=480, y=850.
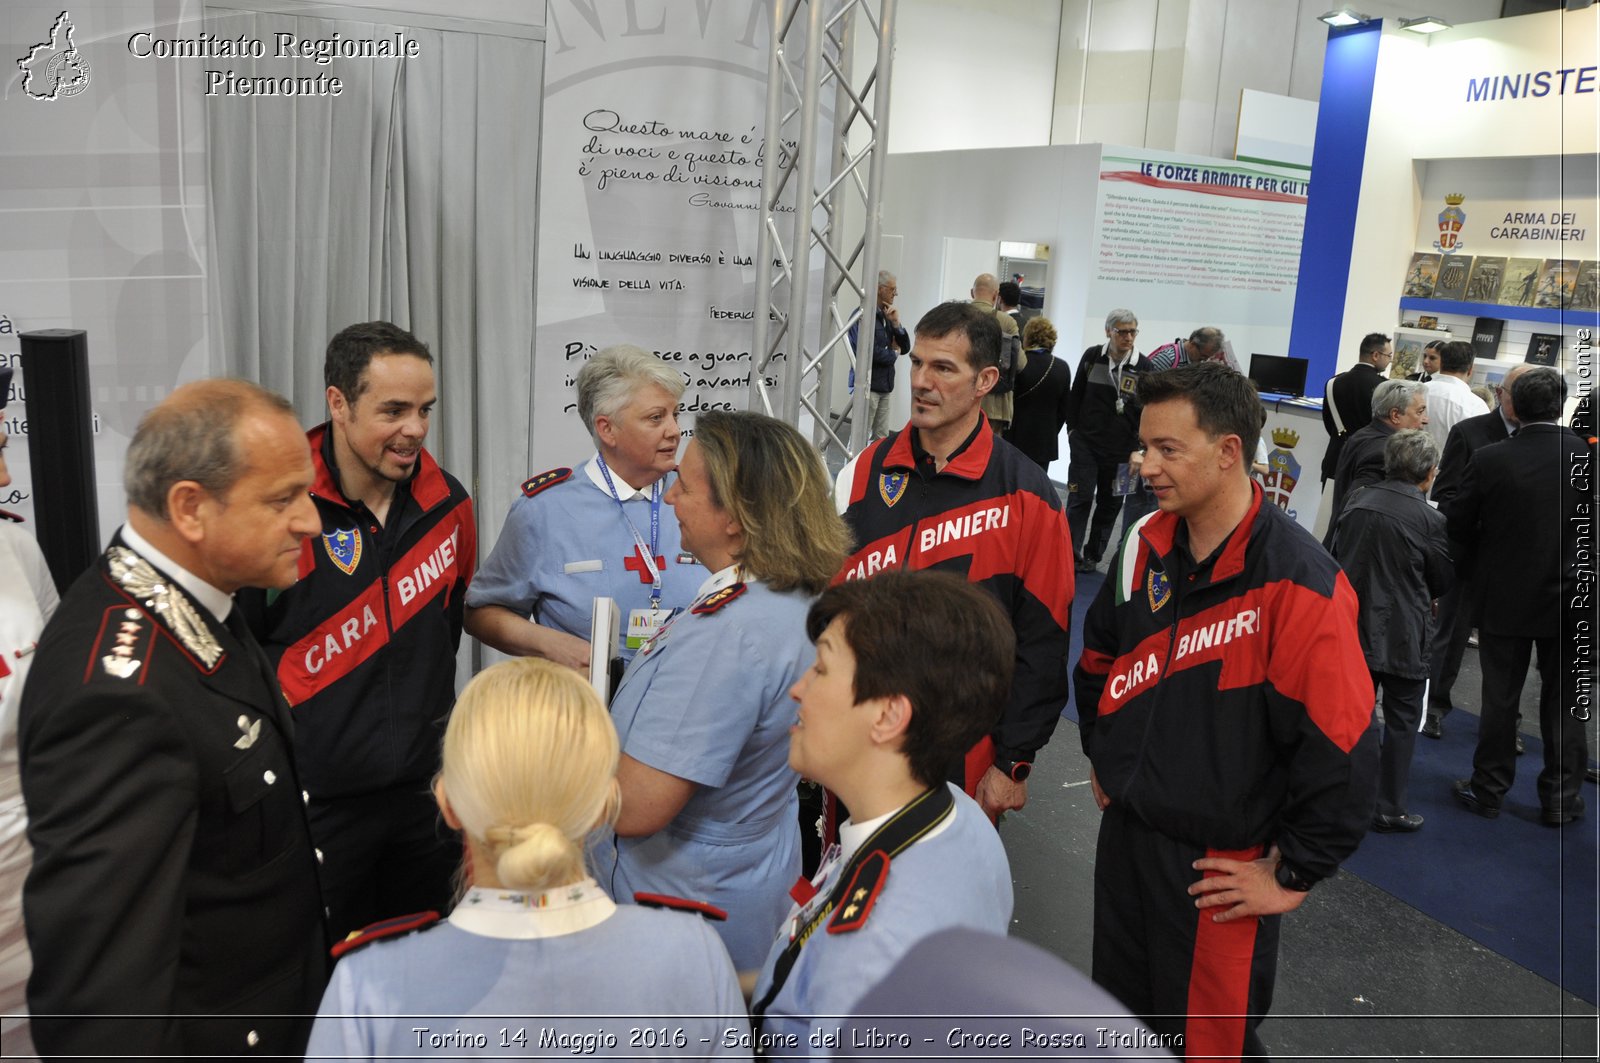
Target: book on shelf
x=1420, y=276
x=1453, y=273
x=1486, y=336
x=1543, y=349
x=1586, y=289
x=1556, y=280
x=1484, y=283
x=1521, y=276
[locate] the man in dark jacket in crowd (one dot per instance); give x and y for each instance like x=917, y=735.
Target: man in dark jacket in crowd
x=1348, y=397
x=1396, y=405
x=1526, y=503
x=1458, y=609
x=889, y=341
x=1393, y=547
x=364, y=642
x=1103, y=415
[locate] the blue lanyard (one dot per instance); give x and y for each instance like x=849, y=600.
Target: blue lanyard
x=646, y=552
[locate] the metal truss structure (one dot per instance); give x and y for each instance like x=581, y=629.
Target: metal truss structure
x=793, y=360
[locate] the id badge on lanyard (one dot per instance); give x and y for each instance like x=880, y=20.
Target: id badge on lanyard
x=646, y=551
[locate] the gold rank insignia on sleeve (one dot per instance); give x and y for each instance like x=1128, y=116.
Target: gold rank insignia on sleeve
x=534, y=484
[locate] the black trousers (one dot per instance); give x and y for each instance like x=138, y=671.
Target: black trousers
x=1402, y=712
x=1091, y=485
x=1166, y=960
x=1504, y=659
x=1450, y=633
x=383, y=854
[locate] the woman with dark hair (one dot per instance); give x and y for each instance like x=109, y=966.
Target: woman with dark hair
x=708, y=800
x=530, y=768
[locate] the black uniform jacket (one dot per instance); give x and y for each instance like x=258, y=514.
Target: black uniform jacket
x=174, y=883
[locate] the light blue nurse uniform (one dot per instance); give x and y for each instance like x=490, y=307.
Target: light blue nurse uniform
x=708, y=701
x=568, y=544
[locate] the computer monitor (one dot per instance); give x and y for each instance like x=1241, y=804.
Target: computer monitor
x=1279, y=375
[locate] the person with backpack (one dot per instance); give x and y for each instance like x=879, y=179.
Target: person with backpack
x=998, y=404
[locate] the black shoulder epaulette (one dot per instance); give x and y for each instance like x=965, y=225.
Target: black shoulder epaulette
x=399, y=926
x=678, y=904
x=862, y=893
x=122, y=649
x=717, y=599
x=8, y=515
x=533, y=485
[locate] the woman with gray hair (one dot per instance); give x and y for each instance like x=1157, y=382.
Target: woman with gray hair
x=1394, y=549
x=598, y=532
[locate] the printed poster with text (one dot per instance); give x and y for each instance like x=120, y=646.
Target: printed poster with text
x=1186, y=241
x=650, y=204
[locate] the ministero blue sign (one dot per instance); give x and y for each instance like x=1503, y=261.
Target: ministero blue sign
x=1532, y=84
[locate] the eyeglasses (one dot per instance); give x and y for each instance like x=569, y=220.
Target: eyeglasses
x=1126, y=331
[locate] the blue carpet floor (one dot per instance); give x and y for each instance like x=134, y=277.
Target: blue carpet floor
x=1523, y=890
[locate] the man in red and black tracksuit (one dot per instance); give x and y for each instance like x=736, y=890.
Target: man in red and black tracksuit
x=365, y=642
x=1226, y=710
x=944, y=492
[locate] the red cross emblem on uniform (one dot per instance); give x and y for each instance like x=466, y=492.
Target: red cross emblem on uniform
x=635, y=563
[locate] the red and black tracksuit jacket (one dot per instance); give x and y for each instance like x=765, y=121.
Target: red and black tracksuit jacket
x=1227, y=704
x=991, y=516
x=365, y=641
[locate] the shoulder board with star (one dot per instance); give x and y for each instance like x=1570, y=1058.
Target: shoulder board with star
x=534, y=484
x=717, y=599
x=857, y=901
x=399, y=926
x=122, y=649
x=679, y=904
x=15, y=518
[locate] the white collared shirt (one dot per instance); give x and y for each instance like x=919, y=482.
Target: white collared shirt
x=218, y=601
x=1450, y=399
x=625, y=491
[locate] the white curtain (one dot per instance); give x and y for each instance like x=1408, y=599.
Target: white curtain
x=410, y=197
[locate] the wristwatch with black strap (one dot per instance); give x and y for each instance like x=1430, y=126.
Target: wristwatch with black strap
x=1016, y=770
x=1291, y=877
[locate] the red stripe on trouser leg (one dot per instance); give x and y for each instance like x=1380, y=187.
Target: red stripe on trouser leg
x=1219, y=978
x=979, y=759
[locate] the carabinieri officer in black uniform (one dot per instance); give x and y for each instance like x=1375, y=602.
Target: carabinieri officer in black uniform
x=173, y=906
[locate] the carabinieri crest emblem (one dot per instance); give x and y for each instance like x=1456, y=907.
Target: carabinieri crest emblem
x=1158, y=588
x=344, y=548
x=891, y=485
